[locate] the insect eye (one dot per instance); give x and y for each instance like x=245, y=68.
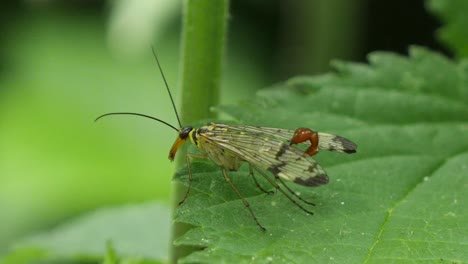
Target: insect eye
x=183, y=134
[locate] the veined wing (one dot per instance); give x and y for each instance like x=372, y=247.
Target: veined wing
x=326, y=141
x=267, y=152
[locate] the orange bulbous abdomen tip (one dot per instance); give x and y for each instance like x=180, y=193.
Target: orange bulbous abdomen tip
x=305, y=134
x=301, y=135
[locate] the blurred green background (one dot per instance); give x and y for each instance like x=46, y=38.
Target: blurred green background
x=63, y=63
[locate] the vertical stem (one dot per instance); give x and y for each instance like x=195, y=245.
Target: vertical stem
x=204, y=30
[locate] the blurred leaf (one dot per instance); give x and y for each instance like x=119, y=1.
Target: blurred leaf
x=422, y=73
x=110, y=257
x=453, y=33
x=24, y=255
x=401, y=198
x=61, y=77
x=138, y=234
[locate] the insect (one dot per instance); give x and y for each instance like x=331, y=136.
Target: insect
x=264, y=149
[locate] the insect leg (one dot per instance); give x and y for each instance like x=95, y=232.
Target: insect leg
x=281, y=190
x=293, y=192
x=251, y=173
x=246, y=204
x=188, y=156
x=302, y=135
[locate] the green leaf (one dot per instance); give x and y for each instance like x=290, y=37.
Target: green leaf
x=423, y=72
x=401, y=198
x=453, y=13
x=132, y=233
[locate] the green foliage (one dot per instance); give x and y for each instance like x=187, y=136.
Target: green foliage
x=401, y=198
x=453, y=33
x=133, y=234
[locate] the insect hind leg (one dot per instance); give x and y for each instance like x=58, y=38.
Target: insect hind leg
x=251, y=173
x=246, y=204
x=272, y=182
x=188, y=157
x=293, y=192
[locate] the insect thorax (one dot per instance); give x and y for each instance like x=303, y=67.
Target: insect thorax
x=221, y=156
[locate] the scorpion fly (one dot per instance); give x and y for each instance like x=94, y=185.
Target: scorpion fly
x=264, y=149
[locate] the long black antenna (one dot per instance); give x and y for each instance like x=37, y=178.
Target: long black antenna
x=137, y=114
x=167, y=86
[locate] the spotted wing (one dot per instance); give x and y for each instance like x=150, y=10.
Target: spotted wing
x=265, y=150
x=326, y=141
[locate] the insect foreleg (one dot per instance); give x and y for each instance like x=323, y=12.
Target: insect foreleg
x=246, y=204
x=272, y=182
x=251, y=173
x=188, y=157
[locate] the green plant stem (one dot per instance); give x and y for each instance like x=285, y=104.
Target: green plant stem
x=204, y=30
